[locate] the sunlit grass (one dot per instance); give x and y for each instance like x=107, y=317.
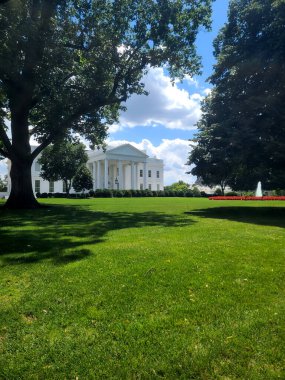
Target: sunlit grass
x=142, y=289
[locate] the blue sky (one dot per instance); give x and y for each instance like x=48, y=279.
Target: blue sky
x=163, y=122
x=156, y=132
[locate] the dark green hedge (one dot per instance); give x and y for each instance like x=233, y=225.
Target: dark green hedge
x=106, y=193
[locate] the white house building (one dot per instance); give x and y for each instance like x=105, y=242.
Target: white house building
x=124, y=167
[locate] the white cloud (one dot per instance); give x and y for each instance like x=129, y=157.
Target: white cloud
x=174, y=153
x=166, y=104
x=115, y=128
x=207, y=91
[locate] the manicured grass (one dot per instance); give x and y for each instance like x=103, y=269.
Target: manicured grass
x=143, y=289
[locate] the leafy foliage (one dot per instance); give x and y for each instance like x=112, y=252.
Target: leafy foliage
x=62, y=161
x=82, y=180
x=177, y=186
x=241, y=137
x=69, y=66
x=212, y=161
x=78, y=60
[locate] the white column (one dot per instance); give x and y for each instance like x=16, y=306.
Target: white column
x=132, y=175
x=113, y=173
x=94, y=174
x=144, y=175
x=136, y=176
x=105, y=173
x=98, y=184
x=121, y=175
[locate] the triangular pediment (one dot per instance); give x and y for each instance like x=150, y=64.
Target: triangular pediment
x=126, y=150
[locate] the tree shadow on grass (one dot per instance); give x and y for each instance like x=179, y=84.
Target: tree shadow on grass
x=266, y=216
x=61, y=233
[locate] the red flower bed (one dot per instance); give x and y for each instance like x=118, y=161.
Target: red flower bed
x=246, y=198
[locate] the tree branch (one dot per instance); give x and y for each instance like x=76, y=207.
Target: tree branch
x=42, y=146
x=83, y=109
x=76, y=47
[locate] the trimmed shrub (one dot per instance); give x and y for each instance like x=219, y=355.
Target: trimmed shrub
x=218, y=191
x=196, y=192
x=231, y=193
x=118, y=193
x=280, y=192
x=189, y=193
x=103, y=193
x=128, y=193
x=135, y=193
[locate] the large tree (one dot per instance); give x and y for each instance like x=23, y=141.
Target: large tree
x=211, y=159
x=67, y=66
x=82, y=180
x=242, y=130
x=62, y=161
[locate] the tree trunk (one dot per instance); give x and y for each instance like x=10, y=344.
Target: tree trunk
x=223, y=185
x=67, y=188
x=22, y=195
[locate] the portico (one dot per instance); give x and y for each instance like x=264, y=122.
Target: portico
x=123, y=168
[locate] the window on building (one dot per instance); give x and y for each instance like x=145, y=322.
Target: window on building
x=37, y=166
x=149, y=173
x=90, y=167
x=141, y=173
x=157, y=174
x=63, y=187
x=37, y=186
x=141, y=186
x=149, y=186
x=158, y=187
x=51, y=186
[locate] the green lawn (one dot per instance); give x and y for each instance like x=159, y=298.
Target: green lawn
x=143, y=288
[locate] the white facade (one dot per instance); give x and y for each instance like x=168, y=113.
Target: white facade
x=123, y=167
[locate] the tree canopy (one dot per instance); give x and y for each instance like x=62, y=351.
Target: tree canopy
x=82, y=180
x=177, y=186
x=68, y=67
x=241, y=138
x=61, y=161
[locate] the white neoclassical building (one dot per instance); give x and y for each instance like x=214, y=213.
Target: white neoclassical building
x=124, y=167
